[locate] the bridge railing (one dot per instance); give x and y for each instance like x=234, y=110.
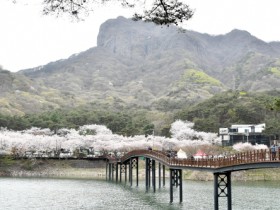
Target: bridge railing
x=235, y=159
x=160, y=155
x=256, y=156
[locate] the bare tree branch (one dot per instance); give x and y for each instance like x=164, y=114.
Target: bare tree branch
x=166, y=12
x=161, y=12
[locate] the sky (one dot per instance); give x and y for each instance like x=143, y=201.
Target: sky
x=28, y=39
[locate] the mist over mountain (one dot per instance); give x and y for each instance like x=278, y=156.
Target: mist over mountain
x=144, y=65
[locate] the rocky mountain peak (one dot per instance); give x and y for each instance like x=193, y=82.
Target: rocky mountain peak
x=129, y=38
x=137, y=63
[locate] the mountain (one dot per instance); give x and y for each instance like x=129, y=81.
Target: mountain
x=20, y=94
x=137, y=64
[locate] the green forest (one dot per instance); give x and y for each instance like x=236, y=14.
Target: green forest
x=222, y=110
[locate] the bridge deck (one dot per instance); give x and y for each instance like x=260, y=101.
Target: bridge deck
x=240, y=161
x=220, y=167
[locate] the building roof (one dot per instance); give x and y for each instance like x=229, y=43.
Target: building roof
x=262, y=125
x=200, y=153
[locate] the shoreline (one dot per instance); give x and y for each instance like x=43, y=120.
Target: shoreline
x=89, y=169
x=54, y=168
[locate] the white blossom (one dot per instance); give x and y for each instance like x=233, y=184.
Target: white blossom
x=241, y=147
x=183, y=131
x=36, y=139
x=99, y=129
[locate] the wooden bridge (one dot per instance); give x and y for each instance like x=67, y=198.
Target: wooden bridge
x=220, y=167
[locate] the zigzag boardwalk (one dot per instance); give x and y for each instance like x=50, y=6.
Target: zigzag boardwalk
x=220, y=167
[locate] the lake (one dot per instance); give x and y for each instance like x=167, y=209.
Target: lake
x=46, y=194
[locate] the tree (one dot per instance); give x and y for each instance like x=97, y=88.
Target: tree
x=166, y=12
x=275, y=106
x=161, y=12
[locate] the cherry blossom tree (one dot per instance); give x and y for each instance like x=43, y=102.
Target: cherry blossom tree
x=183, y=131
x=96, y=129
x=100, y=138
x=242, y=147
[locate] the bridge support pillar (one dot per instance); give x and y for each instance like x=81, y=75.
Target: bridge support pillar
x=176, y=180
x=117, y=172
x=137, y=171
x=125, y=172
x=159, y=175
x=148, y=173
x=133, y=163
x=222, y=188
x=130, y=172
x=122, y=170
x=106, y=171
x=154, y=175
x=111, y=172
x=163, y=175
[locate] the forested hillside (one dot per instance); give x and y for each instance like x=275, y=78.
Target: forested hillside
x=234, y=107
x=141, y=77
x=222, y=110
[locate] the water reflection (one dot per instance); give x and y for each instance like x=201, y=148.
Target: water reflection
x=23, y=193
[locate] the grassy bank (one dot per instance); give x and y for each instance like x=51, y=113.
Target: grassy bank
x=52, y=168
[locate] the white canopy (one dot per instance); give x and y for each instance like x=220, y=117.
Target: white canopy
x=181, y=154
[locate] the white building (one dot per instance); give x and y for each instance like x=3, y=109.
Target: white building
x=247, y=128
x=243, y=133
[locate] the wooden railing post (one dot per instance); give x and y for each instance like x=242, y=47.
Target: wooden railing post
x=261, y=155
x=250, y=154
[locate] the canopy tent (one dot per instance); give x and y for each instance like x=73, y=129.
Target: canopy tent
x=181, y=154
x=200, y=154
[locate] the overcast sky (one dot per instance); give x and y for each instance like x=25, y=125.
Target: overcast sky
x=28, y=39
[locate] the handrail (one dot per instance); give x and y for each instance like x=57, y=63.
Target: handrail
x=257, y=156
x=161, y=156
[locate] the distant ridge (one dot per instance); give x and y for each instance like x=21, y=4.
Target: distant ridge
x=140, y=64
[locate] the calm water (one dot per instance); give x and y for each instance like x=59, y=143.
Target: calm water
x=32, y=193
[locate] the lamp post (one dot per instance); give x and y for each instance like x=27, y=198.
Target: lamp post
x=247, y=134
x=153, y=138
